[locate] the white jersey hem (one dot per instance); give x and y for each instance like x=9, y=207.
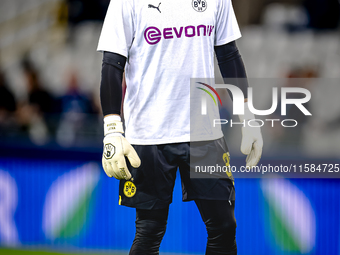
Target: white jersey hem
x=183, y=139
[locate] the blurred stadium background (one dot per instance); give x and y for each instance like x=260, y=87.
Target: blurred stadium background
x=55, y=197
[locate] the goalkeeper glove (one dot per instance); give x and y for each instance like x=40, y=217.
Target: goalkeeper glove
x=116, y=147
x=252, y=141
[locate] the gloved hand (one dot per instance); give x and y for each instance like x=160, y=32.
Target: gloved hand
x=252, y=141
x=116, y=147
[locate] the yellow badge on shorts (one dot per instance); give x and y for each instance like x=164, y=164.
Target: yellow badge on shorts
x=226, y=159
x=129, y=189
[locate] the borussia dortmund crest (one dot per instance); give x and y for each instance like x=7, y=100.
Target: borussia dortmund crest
x=129, y=189
x=199, y=5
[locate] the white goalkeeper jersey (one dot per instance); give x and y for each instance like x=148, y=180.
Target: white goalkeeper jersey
x=166, y=43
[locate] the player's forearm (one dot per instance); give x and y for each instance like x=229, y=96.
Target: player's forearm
x=111, y=83
x=231, y=66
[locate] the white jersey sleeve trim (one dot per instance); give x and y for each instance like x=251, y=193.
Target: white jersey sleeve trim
x=115, y=50
x=228, y=39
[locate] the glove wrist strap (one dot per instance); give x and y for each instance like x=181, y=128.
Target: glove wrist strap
x=112, y=125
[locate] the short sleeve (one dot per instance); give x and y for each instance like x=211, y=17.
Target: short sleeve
x=118, y=29
x=227, y=29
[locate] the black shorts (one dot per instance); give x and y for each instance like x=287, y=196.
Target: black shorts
x=152, y=184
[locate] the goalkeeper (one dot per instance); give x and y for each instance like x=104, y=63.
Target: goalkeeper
x=160, y=49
